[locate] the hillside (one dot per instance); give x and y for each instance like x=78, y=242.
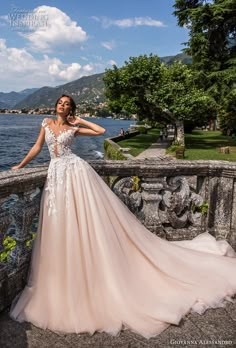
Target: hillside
x=182, y=57
x=9, y=100
x=88, y=89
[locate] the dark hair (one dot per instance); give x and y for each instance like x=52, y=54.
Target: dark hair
x=72, y=104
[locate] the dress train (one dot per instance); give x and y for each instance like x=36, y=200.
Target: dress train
x=95, y=267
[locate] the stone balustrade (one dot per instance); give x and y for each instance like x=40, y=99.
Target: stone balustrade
x=175, y=200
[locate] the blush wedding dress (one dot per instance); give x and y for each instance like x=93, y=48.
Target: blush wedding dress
x=95, y=267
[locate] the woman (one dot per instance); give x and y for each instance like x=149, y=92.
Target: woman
x=95, y=267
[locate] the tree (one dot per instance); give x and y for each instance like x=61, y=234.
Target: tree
x=212, y=44
x=228, y=114
x=212, y=25
x=25, y=111
x=130, y=87
x=181, y=95
x=158, y=92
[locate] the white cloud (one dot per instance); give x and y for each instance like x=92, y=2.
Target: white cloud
x=95, y=18
x=129, y=22
x=54, y=31
x=20, y=70
x=109, y=45
x=14, y=59
x=64, y=71
x=88, y=67
x=111, y=62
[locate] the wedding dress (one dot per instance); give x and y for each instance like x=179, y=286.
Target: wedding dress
x=95, y=267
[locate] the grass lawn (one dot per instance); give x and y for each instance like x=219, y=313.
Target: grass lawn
x=140, y=142
x=202, y=145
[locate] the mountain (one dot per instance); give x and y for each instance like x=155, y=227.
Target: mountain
x=182, y=57
x=87, y=89
x=8, y=100
x=28, y=91
x=3, y=105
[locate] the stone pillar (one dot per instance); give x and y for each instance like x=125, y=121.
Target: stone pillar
x=3, y=285
x=23, y=212
x=5, y=221
x=203, y=191
x=151, y=199
x=224, y=211
x=232, y=237
x=221, y=204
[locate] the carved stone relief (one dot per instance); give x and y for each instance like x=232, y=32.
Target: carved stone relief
x=161, y=202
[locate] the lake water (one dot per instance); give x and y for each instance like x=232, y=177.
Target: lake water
x=18, y=133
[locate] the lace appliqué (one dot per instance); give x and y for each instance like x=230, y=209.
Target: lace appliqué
x=60, y=172
x=59, y=145
x=63, y=163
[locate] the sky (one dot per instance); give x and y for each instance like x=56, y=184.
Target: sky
x=50, y=43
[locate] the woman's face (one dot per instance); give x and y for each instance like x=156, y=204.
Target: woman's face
x=63, y=106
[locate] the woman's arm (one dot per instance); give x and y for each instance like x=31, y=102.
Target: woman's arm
x=34, y=151
x=91, y=128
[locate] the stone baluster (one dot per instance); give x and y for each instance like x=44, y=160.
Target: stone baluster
x=5, y=220
x=223, y=212
x=152, y=197
x=23, y=213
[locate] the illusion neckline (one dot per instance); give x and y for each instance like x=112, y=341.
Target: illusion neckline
x=60, y=132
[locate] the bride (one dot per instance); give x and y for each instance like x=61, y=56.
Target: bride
x=95, y=267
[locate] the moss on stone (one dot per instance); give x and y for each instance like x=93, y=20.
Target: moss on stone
x=112, y=153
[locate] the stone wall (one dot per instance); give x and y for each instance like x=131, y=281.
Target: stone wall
x=175, y=200
x=113, y=151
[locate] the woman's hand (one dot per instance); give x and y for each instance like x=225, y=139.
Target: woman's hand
x=16, y=167
x=73, y=120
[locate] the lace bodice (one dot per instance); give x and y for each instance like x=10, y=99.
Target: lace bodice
x=59, y=145
x=64, y=163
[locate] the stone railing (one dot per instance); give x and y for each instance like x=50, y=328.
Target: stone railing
x=175, y=200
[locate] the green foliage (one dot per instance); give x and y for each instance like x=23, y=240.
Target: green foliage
x=142, y=122
x=228, y=113
x=142, y=130
x=28, y=243
x=130, y=87
x=174, y=147
x=203, y=209
x=158, y=92
x=212, y=46
x=136, y=183
x=9, y=244
x=212, y=26
x=182, y=96
x=102, y=112
x=151, y=123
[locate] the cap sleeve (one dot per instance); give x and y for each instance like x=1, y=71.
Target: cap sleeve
x=44, y=123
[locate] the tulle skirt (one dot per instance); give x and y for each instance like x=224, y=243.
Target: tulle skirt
x=95, y=267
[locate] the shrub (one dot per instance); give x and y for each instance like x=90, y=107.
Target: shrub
x=9, y=244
